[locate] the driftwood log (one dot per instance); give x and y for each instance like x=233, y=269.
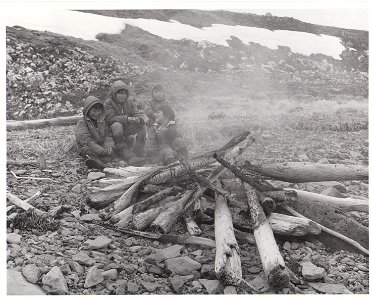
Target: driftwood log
x=40, y=123
x=292, y=226
x=297, y=172
x=272, y=261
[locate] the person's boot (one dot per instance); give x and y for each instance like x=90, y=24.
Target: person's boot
x=93, y=162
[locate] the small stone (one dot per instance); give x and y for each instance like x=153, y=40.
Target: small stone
x=164, y=254
x=76, y=267
x=312, y=272
x=94, y=277
x=95, y=175
x=31, y=272
x=177, y=282
x=98, y=243
x=90, y=217
x=259, y=283
x=333, y=192
x=197, y=252
x=76, y=213
x=303, y=157
x=337, y=185
x=327, y=288
x=18, y=285
x=135, y=249
x=362, y=268
x=295, y=246
x=13, y=238
x=76, y=189
x=230, y=290
x=83, y=259
x=250, y=239
x=212, y=286
x=54, y=282
x=130, y=241
x=254, y=270
x=182, y=265
x=287, y=246
x=121, y=287
x=149, y=286
x=110, y=274
x=130, y=268
x=154, y=269
x=323, y=161
x=132, y=287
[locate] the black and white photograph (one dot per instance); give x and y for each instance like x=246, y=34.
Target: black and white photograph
x=215, y=148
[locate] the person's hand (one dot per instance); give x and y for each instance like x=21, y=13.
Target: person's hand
x=107, y=151
x=134, y=120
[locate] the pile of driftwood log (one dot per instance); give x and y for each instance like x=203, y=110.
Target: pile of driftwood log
x=211, y=188
x=149, y=201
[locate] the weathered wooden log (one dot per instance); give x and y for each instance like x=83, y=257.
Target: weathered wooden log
x=140, y=206
x=292, y=226
x=227, y=260
x=309, y=172
x=346, y=204
x=166, y=219
x=333, y=218
x=123, y=218
x=191, y=226
x=24, y=205
x=121, y=184
x=330, y=231
x=101, y=199
x=282, y=196
x=40, y=123
x=21, y=163
x=260, y=185
x=272, y=261
x=130, y=171
x=144, y=219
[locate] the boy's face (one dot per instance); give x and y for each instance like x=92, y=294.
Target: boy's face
x=158, y=94
x=160, y=117
x=95, y=112
x=121, y=95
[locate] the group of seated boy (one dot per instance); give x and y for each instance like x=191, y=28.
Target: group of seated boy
x=117, y=130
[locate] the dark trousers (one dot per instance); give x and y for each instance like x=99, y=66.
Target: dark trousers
x=122, y=133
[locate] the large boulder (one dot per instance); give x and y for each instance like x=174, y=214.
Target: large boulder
x=182, y=265
x=54, y=282
x=18, y=285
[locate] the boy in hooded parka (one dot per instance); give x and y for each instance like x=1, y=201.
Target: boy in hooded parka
x=164, y=139
x=93, y=136
x=124, y=119
x=158, y=99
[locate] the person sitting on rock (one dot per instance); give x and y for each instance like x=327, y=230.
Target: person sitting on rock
x=158, y=99
x=164, y=139
x=125, y=121
x=93, y=136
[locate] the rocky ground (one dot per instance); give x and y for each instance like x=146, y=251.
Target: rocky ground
x=82, y=259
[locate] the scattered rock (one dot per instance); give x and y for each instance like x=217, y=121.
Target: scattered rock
x=164, y=254
x=197, y=252
x=154, y=269
x=212, y=286
x=149, y=286
x=83, y=259
x=182, y=265
x=76, y=189
x=135, y=249
x=98, y=243
x=337, y=185
x=254, y=270
x=250, y=239
x=94, y=277
x=260, y=284
x=323, y=161
x=95, y=175
x=110, y=274
x=287, y=246
x=13, y=238
x=76, y=267
x=121, y=286
x=295, y=246
x=31, y=272
x=333, y=192
x=230, y=290
x=311, y=271
x=18, y=285
x=130, y=268
x=54, y=282
x=132, y=287
x=90, y=217
x=328, y=288
x=303, y=157
x=177, y=282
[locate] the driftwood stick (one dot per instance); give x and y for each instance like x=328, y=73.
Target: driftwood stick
x=272, y=261
x=34, y=196
x=16, y=163
x=33, y=178
x=329, y=231
x=297, y=172
x=24, y=205
x=191, y=226
x=346, y=204
x=227, y=260
x=260, y=186
x=39, y=123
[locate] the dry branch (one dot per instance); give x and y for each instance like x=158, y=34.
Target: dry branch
x=24, y=205
x=34, y=196
x=330, y=231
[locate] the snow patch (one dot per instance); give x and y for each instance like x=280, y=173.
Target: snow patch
x=87, y=26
